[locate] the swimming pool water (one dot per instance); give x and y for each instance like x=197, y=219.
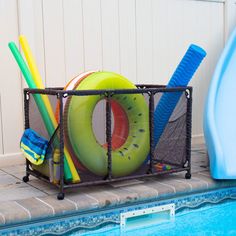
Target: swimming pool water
x=217, y=219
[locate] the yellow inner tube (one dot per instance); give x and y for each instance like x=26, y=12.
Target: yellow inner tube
x=90, y=153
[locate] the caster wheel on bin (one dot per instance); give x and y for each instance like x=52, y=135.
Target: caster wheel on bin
x=60, y=196
x=25, y=178
x=187, y=176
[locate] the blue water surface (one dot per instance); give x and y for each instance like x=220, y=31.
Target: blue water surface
x=217, y=219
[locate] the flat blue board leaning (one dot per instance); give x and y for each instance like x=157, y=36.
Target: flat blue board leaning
x=220, y=115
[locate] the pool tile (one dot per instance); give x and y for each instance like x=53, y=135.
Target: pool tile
x=2, y=219
x=83, y=201
x=197, y=183
x=19, y=191
x=13, y=213
x=126, y=183
x=2, y=173
x=13, y=168
x=205, y=173
x=102, y=195
x=161, y=188
x=47, y=188
x=177, y=184
x=124, y=195
x=211, y=183
x=196, y=169
x=20, y=174
x=142, y=190
x=57, y=207
x=7, y=181
x=36, y=208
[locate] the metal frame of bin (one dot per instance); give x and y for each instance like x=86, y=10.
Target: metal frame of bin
x=150, y=90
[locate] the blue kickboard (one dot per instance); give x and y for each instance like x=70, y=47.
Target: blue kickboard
x=220, y=115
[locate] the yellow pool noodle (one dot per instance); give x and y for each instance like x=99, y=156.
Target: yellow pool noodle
x=39, y=83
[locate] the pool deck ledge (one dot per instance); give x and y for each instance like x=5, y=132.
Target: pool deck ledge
x=24, y=202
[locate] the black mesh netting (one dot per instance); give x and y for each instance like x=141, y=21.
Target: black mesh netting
x=171, y=148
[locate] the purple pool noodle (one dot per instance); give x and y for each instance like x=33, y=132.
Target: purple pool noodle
x=181, y=77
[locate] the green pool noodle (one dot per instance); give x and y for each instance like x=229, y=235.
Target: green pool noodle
x=42, y=109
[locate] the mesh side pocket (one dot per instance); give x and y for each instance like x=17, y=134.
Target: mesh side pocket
x=171, y=147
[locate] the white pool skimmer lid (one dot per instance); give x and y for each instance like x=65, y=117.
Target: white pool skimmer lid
x=146, y=217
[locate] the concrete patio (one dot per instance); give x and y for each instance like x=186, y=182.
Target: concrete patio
x=22, y=202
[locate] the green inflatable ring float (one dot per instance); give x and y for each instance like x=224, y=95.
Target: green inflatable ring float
x=93, y=155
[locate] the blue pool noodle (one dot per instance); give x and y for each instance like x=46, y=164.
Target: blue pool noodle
x=181, y=77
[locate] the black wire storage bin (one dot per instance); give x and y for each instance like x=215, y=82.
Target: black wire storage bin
x=173, y=148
